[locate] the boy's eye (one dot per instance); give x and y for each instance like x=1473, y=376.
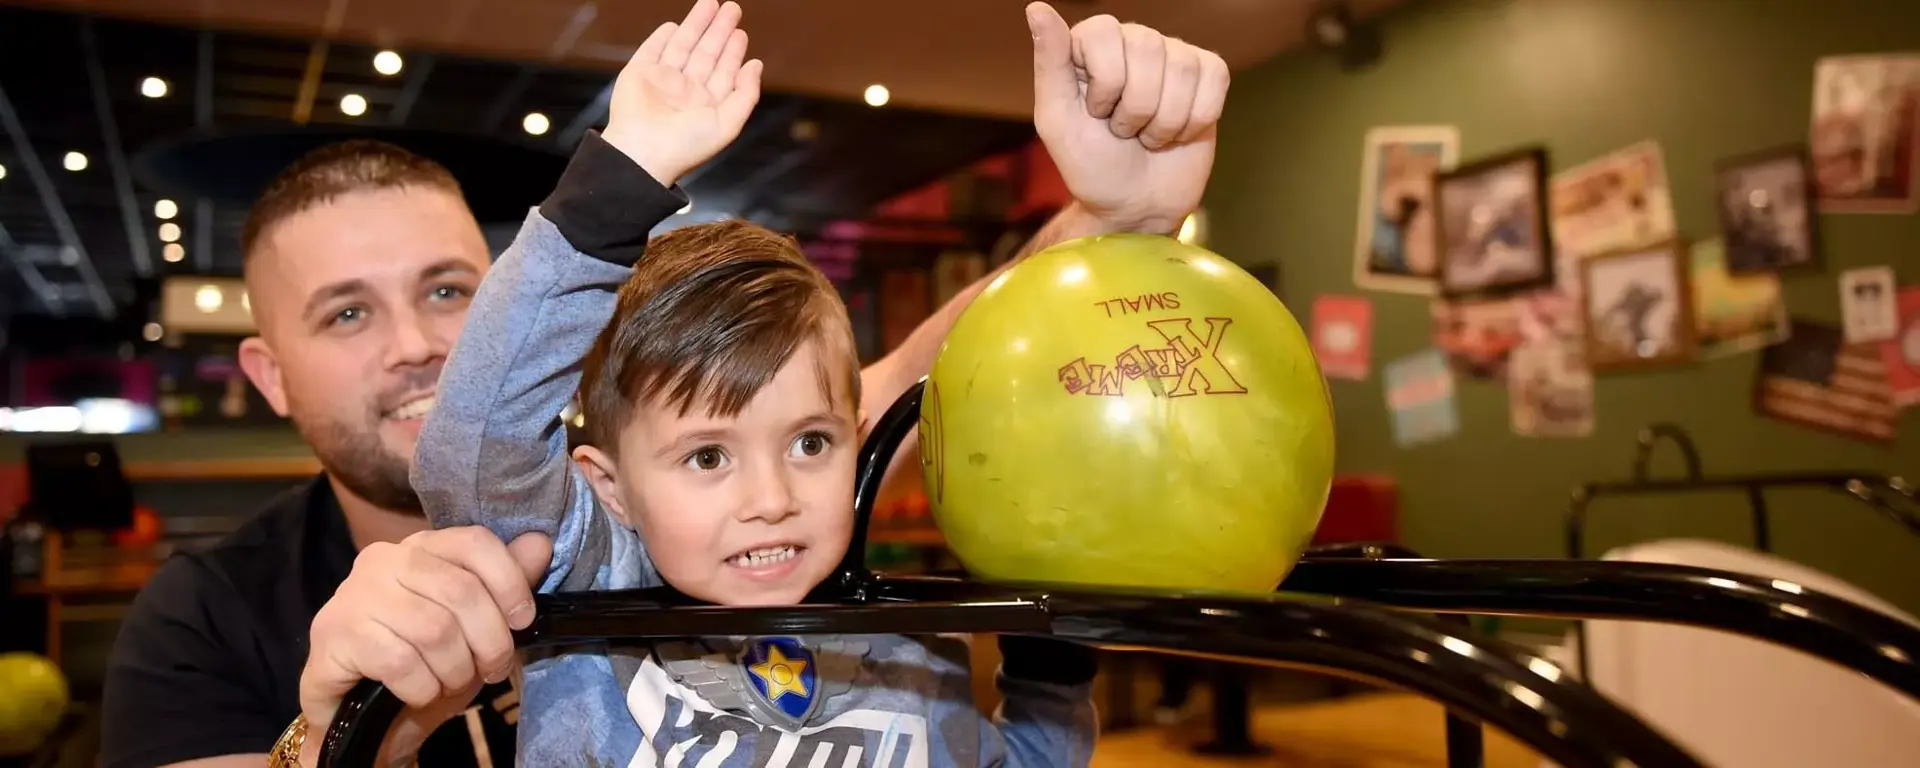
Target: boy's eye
x=811, y=444
x=707, y=459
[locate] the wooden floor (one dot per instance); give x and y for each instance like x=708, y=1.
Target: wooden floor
x=1383, y=730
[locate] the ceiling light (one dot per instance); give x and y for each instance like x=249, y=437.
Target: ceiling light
x=165, y=209
x=174, y=253
x=208, y=299
x=387, y=63
x=3, y=171
x=152, y=332
x=535, y=123
x=353, y=104
x=877, y=95
x=75, y=161
x=169, y=232
x=153, y=87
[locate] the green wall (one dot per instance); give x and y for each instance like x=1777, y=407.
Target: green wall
x=1705, y=78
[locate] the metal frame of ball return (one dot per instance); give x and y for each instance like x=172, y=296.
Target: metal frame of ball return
x=1889, y=496
x=1380, y=617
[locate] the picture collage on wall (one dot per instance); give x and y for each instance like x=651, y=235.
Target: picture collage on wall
x=1544, y=278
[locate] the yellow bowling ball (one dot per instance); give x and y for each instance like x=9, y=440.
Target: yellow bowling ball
x=1127, y=411
x=33, y=699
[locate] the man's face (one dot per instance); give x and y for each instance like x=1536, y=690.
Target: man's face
x=756, y=509
x=358, y=302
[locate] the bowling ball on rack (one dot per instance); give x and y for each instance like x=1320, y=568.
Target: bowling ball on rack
x=1127, y=411
x=33, y=701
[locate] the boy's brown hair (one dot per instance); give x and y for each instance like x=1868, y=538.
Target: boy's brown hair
x=357, y=165
x=712, y=313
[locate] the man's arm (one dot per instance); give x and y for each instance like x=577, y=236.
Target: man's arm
x=1128, y=116
x=884, y=381
x=178, y=690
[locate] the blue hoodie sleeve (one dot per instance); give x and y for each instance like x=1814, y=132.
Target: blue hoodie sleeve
x=493, y=451
x=1046, y=715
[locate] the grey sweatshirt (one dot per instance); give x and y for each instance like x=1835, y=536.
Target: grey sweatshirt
x=494, y=453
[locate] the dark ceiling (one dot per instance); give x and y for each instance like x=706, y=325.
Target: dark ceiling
x=85, y=246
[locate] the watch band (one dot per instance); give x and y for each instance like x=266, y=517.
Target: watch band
x=286, y=751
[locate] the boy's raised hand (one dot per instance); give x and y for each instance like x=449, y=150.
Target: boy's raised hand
x=685, y=93
x=1128, y=115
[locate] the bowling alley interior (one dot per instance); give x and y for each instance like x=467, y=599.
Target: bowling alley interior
x=1526, y=383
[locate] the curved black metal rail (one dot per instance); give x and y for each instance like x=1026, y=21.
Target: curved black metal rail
x=1890, y=496
x=1485, y=679
x=1841, y=631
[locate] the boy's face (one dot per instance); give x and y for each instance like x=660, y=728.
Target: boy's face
x=756, y=509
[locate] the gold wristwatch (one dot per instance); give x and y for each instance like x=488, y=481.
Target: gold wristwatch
x=286, y=751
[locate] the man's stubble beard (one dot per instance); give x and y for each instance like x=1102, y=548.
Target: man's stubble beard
x=361, y=462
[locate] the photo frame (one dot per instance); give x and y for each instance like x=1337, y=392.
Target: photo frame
x=1637, y=308
x=1816, y=380
x=1492, y=225
x=1768, y=211
x=1864, y=134
x=1394, y=242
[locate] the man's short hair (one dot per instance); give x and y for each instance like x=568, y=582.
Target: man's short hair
x=358, y=165
x=711, y=314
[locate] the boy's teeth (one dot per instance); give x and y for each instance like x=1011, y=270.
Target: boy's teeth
x=417, y=409
x=762, y=557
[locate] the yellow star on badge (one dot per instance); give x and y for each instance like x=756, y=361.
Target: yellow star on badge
x=781, y=674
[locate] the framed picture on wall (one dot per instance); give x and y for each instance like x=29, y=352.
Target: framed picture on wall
x=1394, y=245
x=1638, y=308
x=1492, y=225
x=1865, y=133
x=1766, y=208
x=1815, y=379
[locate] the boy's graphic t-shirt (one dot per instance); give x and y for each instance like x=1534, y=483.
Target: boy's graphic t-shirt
x=776, y=701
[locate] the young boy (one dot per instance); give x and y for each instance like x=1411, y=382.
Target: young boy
x=720, y=390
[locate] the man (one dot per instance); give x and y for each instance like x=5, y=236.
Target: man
x=359, y=261
x=359, y=265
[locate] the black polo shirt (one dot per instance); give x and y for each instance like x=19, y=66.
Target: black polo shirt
x=208, y=659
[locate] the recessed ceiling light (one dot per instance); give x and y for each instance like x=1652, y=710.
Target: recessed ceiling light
x=153, y=87
x=877, y=95
x=74, y=161
x=535, y=123
x=169, y=232
x=3, y=171
x=208, y=298
x=174, y=253
x=353, y=104
x=387, y=63
x=152, y=332
x=165, y=209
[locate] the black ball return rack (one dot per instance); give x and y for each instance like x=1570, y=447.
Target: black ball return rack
x=1373, y=613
